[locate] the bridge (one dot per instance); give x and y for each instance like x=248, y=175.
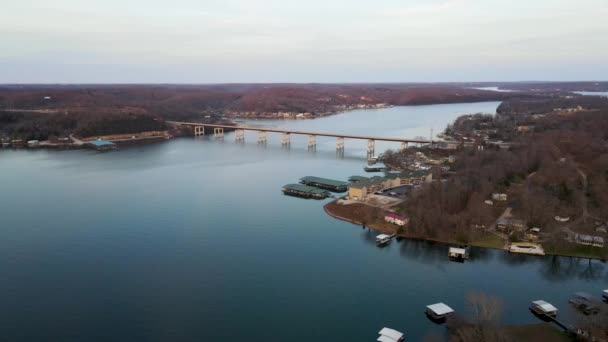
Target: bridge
x=218, y=133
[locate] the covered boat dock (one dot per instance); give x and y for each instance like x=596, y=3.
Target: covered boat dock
x=324, y=183
x=305, y=191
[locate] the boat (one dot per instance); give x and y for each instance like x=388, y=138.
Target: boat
x=382, y=239
x=543, y=308
x=459, y=253
x=390, y=335
x=438, y=311
x=605, y=294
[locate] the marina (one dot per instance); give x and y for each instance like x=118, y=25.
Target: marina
x=305, y=191
x=324, y=183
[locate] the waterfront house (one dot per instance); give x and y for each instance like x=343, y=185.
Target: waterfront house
x=499, y=197
x=362, y=188
x=396, y=219
x=588, y=240
x=510, y=224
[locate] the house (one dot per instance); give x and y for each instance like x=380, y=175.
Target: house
x=509, y=224
x=33, y=143
x=396, y=219
x=562, y=219
x=533, y=234
x=588, y=240
x=499, y=197
x=488, y=202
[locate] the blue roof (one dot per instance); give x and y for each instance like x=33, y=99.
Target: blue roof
x=100, y=143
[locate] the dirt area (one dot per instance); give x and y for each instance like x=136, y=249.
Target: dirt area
x=380, y=201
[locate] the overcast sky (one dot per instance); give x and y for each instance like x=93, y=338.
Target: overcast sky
x=209, y=41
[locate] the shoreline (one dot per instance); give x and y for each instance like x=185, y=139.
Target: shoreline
x=381, y=229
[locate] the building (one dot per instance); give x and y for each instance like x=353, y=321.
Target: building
x=412, y=177
x=396, y=219
x=588, y=240
x=499, y=197
x=324, y=183
x=305, y=191
x=361, y=189
x=101, y=145
x=509, y=224
x=33, y=143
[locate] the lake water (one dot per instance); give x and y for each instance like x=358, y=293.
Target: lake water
x=593, y=93
x=192, y=240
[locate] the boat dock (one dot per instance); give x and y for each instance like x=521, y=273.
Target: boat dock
x=527, y=248
x=305, y=191
x=324, y=183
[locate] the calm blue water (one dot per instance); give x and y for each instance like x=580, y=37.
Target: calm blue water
x=192, y=240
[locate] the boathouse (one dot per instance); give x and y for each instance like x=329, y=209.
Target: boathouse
x=101, y=145
x=305, y=191
x=396, y=219
x=324, y=183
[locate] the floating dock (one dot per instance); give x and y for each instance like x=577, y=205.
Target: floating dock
x=526, y=248
x=324, y=183
x=375, y=169
x=305, y=191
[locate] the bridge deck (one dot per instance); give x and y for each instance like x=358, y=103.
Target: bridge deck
x=288, y=131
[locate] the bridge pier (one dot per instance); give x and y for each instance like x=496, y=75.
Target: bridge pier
x=285, y=139
x=371, y=148
x=403, y=146
x=312, y=142
x=218, y=133
x=199, y=130
x=262, y=137
x=239, y=136
x=340, y=143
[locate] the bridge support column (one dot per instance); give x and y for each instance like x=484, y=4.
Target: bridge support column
x=340, y=143
x=239, y=136
x=218, y=132
x=285, y=139
x=370, y=148
x=199, y=130
x=403, y=146
x=312, y=142
x=262, y=137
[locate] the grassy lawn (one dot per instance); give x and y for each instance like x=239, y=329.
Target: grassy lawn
x=580, y=251
x=537, y=332
x=489, y=240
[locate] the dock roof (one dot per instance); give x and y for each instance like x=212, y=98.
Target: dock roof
x=101, y=143
x=440, y=309
x=392, y=334
x=546, y=307
x=356, y=178
x=305, y=188
x=325, y=181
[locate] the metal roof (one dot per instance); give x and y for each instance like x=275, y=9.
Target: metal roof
x=382, y=236
x=440, y=309
x=323, y=181
x=546, y=307
x=390, y=333
x=100, y=143
x=305, y=188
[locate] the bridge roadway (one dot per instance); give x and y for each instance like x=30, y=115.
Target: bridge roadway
x=287, y=131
